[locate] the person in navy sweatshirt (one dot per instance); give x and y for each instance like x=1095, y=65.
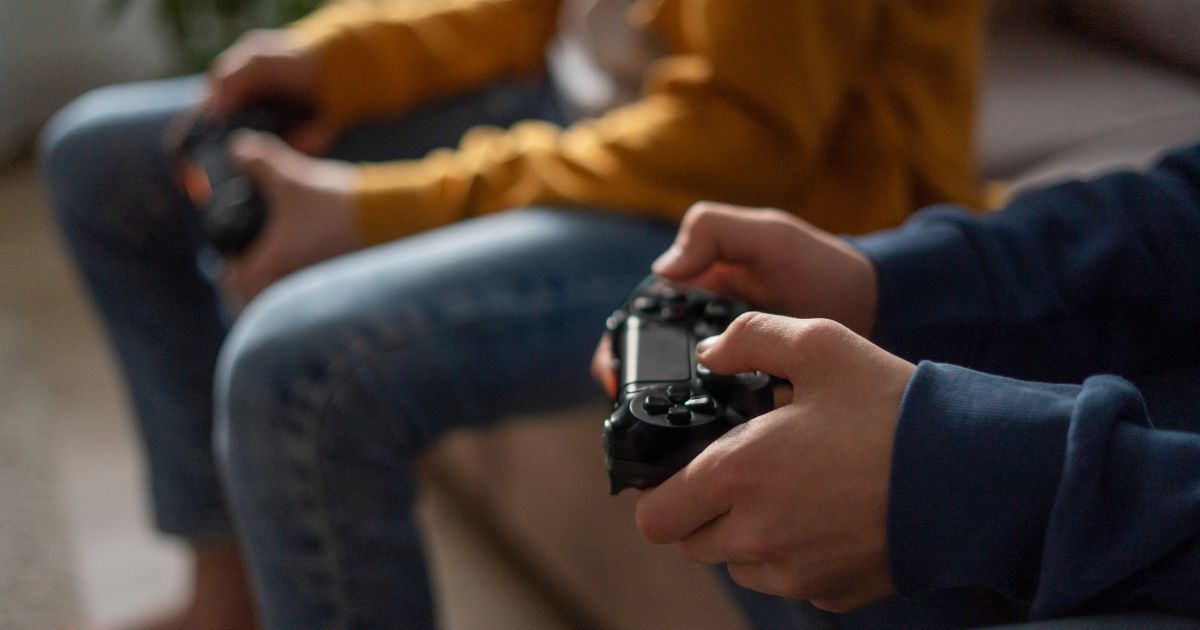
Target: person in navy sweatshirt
x=938, y=436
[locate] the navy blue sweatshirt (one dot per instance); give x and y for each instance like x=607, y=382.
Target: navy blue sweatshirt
x=1062, y=496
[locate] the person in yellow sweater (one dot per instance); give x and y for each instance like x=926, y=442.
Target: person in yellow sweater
x=496, y=175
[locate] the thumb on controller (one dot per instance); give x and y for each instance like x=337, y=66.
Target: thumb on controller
x=783, y=346
x=717, y=233
x=265, y=158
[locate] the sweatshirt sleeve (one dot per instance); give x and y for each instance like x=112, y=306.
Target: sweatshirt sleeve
x=740, y=111
x=1067, y=499
x=383, y=56
x=1077, y=279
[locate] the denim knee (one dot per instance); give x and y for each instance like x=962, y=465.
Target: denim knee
x=106, y=165
x=255, y=376
x=68, y=129
x=80, y=139
x=321, y=493
x=72, y=149
x=114, y=106
x=289, y=367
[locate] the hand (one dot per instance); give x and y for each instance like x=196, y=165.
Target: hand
x=310, y=214
x=771, y=259
x=775, y=261
x=602, y=365
x=795, y=501
x=267, y=64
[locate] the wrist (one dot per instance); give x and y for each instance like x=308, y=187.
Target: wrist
x=863, y=301
x=850, y=293
x=932, y=296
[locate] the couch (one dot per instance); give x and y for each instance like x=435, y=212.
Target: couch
x=1072, y=88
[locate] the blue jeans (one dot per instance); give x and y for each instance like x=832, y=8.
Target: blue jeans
x=339, y=376
x=334, y=379
x=136, y=240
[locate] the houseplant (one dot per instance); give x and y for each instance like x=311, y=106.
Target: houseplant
x=202, y=28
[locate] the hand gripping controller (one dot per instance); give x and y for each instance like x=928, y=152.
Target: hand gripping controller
x=669, y=407
x=233, y=211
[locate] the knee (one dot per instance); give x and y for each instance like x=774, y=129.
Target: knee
x=304, y=376
x=73, y=155
x=104, y=159
x=261, y=357
x=76, y=138
x=102, y=118
x=274, y=377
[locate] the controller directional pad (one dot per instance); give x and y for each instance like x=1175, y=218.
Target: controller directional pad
x=674, y=406
x=668, y=407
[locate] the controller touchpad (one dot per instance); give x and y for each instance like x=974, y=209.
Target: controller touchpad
x=663, y=354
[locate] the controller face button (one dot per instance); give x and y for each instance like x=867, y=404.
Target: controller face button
x=751, y=379
x=675, y=302
x=701, y=404
x=679, y=415
x=656, y=404
x=678, y=393
x=676, y=312
x=646, y=304
x=718, y=310
x=704, y=330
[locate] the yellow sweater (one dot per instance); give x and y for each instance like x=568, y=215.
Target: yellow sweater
x=849, y=113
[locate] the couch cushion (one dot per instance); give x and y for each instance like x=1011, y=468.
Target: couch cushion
x=1167, y=29
x=1050, y=90
x=1135, y=147
x=540, y=489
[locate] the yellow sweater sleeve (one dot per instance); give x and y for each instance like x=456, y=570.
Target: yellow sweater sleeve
x=377, y=57
x=740, y=112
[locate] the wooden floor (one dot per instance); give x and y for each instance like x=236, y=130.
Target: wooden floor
x=73, y=478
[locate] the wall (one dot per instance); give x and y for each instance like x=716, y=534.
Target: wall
x=54, y=50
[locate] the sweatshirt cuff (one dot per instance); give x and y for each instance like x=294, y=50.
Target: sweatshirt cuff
x=976, y=464
x=934, y=296
x=398, y=199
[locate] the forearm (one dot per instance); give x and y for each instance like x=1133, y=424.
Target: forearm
x=1077, y=279
x=1061, y=496
x=382, y=57
x=644, y=159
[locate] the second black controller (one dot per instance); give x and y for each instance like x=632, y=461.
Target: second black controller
x=668, y=407
x=232, y=210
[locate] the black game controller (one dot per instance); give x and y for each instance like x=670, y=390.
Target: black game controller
x=232, y=210
x=668, y=406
